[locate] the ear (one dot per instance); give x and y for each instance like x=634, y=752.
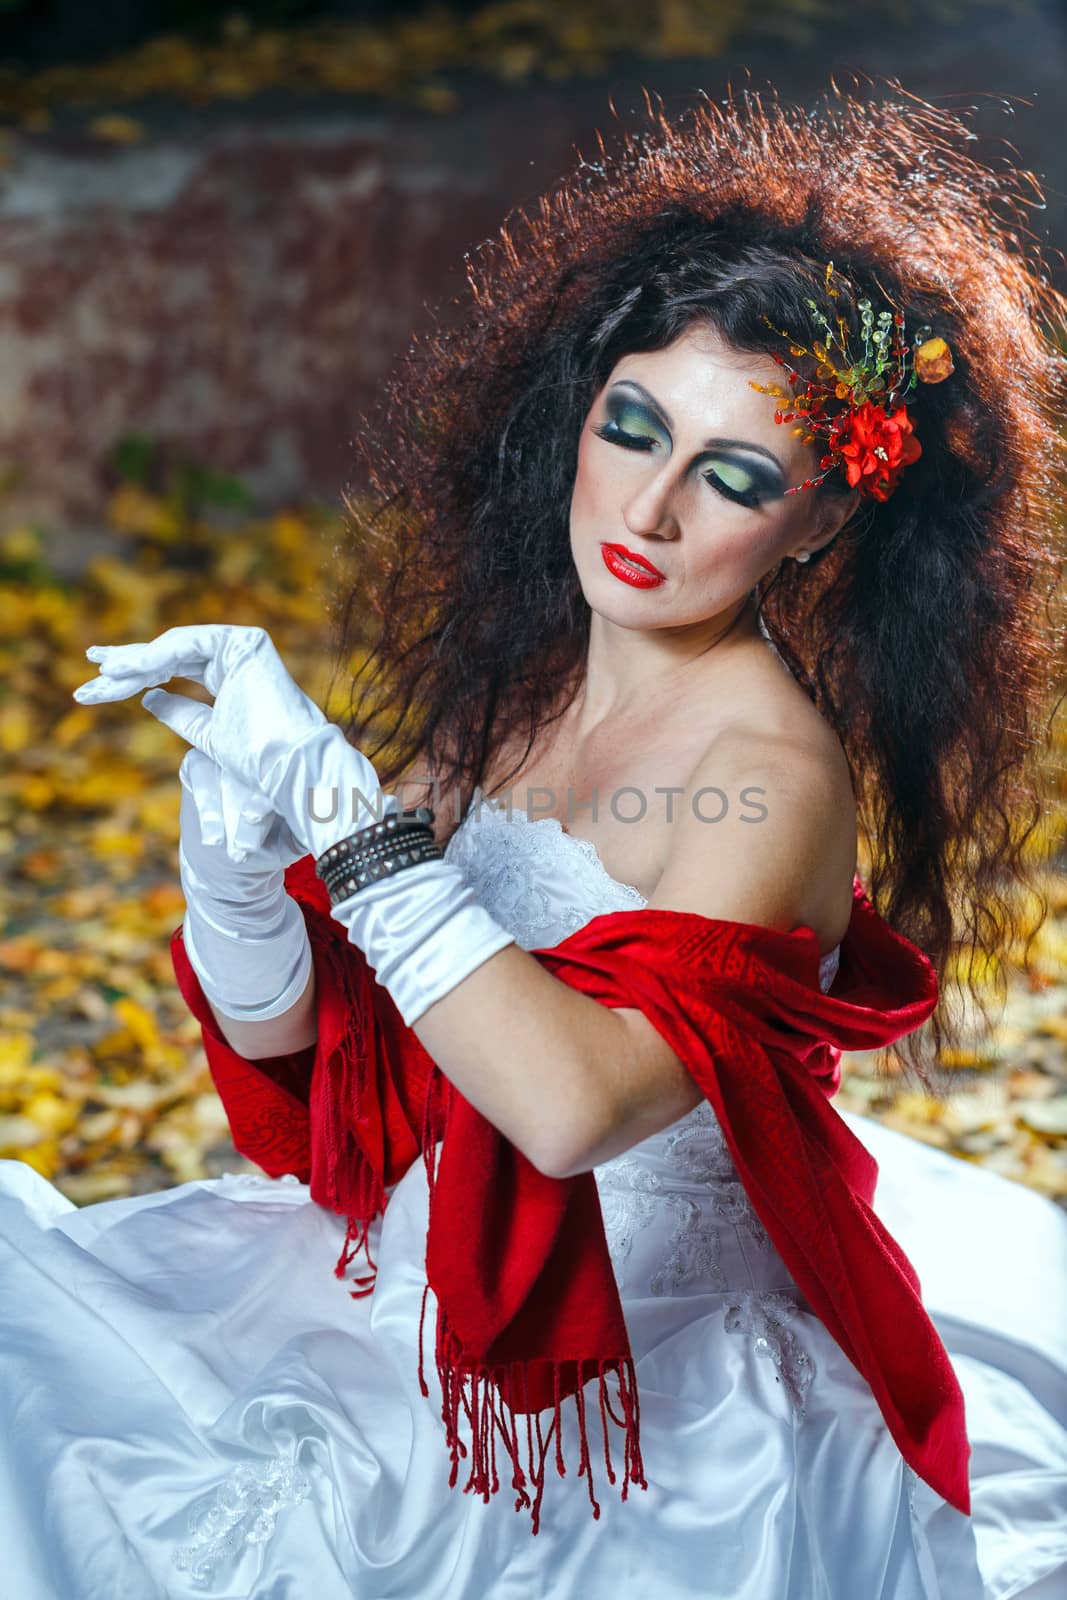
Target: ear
x=834, y=512
x=837, y=511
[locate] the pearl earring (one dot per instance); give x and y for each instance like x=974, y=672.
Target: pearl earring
x=805, y=557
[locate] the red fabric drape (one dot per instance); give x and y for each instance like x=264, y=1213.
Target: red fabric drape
x=528, y=1309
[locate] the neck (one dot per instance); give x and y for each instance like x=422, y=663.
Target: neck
x=627, y=671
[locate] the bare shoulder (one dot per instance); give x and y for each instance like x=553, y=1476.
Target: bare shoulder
x=764, y=833
x=766, y=830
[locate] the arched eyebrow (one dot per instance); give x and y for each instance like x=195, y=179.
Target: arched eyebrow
x=709, y=444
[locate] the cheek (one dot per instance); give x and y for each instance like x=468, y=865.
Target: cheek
x=729, y=561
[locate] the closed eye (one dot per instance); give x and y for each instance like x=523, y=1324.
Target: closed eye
x=629, y=441
x=747, y=497
x=637, y=441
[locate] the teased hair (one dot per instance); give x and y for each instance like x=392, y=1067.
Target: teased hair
x=927, y=633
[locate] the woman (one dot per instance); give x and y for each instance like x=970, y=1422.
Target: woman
x=606, y=543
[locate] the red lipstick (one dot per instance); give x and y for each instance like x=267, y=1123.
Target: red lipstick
x=631, y=568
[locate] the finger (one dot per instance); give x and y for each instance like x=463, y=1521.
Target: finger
x=202, y=778
x=108, y=687
x=189, y=719
x=182, y=652
x=247, y=817
x=196, y=771
x=231, y=813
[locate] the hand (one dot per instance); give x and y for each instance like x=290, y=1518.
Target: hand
x=231, y=834
x=421, y=929
x=263, y=730
x=244, y=935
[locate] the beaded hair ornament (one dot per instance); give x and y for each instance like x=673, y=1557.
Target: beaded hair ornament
x=872, y=438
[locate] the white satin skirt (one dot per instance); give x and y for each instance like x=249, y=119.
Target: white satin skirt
x=192, y=1404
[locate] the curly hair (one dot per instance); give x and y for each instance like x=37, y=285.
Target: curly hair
x=927, y=633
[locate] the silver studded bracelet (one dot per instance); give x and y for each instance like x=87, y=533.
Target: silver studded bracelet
x=399, y=840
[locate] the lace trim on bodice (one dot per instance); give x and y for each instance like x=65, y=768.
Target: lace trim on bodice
x=516, y=873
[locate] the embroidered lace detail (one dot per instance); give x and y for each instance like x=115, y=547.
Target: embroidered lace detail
x=761, y=1314
x=632, y=1194
x=693, y=1251
x=243, y=1510
x=627, y=1189
x=696, y=1149
x=517, y=877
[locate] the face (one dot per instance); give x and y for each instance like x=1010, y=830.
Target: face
x=682, y=464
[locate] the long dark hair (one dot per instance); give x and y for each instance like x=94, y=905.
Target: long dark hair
x=924, y=633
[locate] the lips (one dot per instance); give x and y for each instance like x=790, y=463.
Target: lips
x=639, y=560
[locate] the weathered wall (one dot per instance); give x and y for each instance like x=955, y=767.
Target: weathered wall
x=239, y=282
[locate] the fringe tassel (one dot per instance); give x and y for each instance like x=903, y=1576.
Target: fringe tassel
x=354, y=1189
x=357, y=1237
x=487, y=1398
x=432, y=1119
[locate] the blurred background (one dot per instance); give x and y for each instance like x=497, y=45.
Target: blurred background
x=218, y=229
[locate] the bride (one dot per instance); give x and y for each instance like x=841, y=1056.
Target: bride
x=717, y=533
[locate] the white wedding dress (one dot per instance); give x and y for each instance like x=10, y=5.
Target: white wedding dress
x=192, y=1404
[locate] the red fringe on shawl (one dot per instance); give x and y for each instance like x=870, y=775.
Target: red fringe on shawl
x=349, y=1183
x=491, y=1398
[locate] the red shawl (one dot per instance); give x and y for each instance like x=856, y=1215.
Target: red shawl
x=528, y=1309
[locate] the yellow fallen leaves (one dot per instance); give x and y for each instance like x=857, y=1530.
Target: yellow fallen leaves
x=1003, y=1106
x=132, y=509
x=16, y=727
x=103, y=1083
x=35, y=1108
x=16, y=1052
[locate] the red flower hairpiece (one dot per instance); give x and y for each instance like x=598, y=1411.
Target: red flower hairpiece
x=872, y=437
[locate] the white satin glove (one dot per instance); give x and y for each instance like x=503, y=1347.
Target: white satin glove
x=245, y=936
x=421, y=929
x=262, y=729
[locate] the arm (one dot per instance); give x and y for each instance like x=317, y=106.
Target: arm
x=299, y=1111
x=265, y=1098
x=244, y=936
x=566, y=1080
x=573, y=1083
x=294, y=1030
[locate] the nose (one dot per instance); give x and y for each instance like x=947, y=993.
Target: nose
x=649, y=512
